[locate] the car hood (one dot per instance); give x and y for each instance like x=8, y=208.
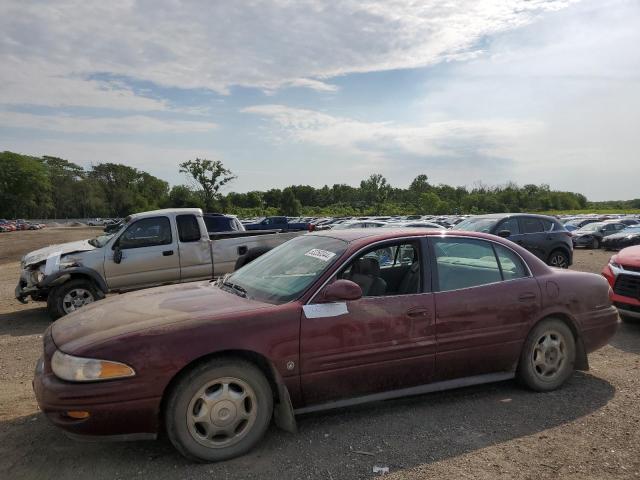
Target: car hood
x=629, y=256
x=150, y=309
x=41, y=255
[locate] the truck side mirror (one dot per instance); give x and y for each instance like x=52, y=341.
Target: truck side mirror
x=504, y=233
x=117, y=254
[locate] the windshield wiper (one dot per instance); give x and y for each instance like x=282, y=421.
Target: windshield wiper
x=237, y=289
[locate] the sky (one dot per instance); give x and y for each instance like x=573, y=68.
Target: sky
x=321, y=92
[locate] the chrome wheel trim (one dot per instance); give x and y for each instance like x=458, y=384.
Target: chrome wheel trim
x=222, y=412
x=549, y=355
x=76, y=298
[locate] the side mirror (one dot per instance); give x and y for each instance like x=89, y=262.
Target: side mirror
x=504, y=233
x=340, y=290
x=117, y=255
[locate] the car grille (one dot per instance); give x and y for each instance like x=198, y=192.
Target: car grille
x=631, y=269
x=627, y=286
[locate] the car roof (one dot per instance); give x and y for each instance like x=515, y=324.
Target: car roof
x=355, y=234
x=505, y=215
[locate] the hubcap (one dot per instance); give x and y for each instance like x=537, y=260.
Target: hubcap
x=549, y=355
x=222, y=412
x=76, y=298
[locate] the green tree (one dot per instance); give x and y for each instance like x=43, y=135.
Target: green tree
x=289, y=204
x=210, y=176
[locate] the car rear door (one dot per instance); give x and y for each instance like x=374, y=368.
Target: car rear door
x=149, y=255
x=485, y=301
x=534, y=237
x=369, y=345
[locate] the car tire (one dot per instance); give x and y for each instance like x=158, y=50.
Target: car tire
x=250, y=256
x=558, y=259
x=595, y=244
x=548, y=356
x=229, y=427
x=70, y=296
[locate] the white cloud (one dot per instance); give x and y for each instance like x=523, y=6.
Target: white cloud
x=131, y=124
x=386, y=140
x=48, y=49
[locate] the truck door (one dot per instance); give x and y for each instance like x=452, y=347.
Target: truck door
x=149, y=255
x=195, y=249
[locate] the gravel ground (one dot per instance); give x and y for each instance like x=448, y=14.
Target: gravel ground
x=588, y=429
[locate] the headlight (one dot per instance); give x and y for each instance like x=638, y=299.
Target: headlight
x=77, y=369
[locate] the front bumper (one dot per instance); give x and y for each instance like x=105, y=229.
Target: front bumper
x=120, y=419
x=114, y=410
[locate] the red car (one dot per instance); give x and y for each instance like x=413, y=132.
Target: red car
x=325, y=320
x=623, y=274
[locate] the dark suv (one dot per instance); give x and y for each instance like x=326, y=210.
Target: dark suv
x=543, y=236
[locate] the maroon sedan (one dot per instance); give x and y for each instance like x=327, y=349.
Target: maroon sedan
x=323, y=321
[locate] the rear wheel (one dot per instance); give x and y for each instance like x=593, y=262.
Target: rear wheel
x=250, y=256
x=558, y=259
x=219, y=410
x=70, y=296
x=595, y=243
x=548, y=357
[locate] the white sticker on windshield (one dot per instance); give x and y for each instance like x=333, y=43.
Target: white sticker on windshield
x=323, y=255
x=323, y=310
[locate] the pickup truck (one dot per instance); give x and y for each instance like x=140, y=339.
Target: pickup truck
x=278, y=223
x=150, y=249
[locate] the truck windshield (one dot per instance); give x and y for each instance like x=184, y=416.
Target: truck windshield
x=284, y=273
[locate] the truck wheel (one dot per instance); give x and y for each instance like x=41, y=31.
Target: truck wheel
x=70, y=296
x=218, y=410
x=548, y=356
x=250, y=256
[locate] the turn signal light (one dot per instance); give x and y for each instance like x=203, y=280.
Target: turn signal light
x=77, y=414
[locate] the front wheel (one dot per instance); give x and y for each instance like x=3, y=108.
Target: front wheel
x=70, y=296
x=595, y=243
x=548, y=356
x=219, y=410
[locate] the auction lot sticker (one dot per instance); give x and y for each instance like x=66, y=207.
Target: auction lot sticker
x=320, y=254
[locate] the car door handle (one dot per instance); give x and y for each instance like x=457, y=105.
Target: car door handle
x=525, y=297
x=167, y=253
x=418, y=312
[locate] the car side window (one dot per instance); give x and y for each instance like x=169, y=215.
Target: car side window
x=510, y=263
x=147, y=232
x=394, y=269
x=620, y=226
x=510, y=224
x=188, y=228
x=532, y=225
x=464, y=263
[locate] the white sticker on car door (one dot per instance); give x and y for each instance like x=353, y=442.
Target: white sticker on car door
x=324, y=310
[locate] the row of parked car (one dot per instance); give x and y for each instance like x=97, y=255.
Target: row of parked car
x=15, y=225
x=608, y=232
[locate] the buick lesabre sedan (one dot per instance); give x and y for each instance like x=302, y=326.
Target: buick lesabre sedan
x=325, y=320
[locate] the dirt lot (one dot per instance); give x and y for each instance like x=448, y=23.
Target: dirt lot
x=588, y=429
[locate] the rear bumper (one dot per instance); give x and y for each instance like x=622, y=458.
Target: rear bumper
x=598, y=327
x=118, y=420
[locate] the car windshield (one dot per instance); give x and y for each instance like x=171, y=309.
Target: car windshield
x=592, y=227
x=284, y=273
x=476, y=224
x=101, y=240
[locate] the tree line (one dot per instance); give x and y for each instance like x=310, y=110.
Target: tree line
x=52, y=187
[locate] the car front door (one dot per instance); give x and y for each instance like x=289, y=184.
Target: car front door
x=149, y=255
x=382, y=341
x=485, y=300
